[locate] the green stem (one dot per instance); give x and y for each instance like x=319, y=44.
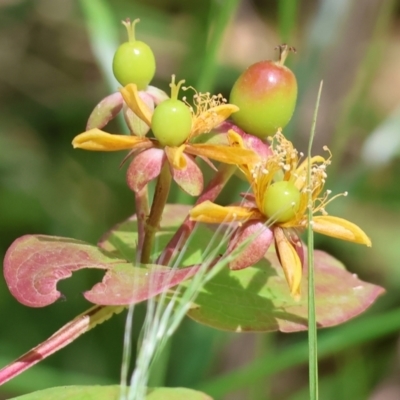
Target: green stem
x=159, y=366
x=142, y=211
x=312, y=323
x=157, y=208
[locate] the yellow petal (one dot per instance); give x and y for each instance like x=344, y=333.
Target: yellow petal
x=290, y=262
x=211, y=118
x=225, y=154
x=215, y=214
x=135, y=103
x=175, y=156
x=340, y=228
x=98, y=140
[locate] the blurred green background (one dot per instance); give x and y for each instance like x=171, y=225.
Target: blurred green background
x=55, y=64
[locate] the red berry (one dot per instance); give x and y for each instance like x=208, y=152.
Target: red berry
x=266, y=95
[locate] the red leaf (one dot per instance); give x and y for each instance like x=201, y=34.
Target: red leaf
x=34, y=264
x=126, y=285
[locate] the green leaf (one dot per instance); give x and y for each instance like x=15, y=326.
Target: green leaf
x=122, y=239
x=110, y=393
x=257, y=299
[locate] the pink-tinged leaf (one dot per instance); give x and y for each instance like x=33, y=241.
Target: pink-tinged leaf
x=105, y=111
x=190, y=178
x=110, y=393
x=260, y=238
x=124, y=284
x=145, y=167
x=136, y=126
x=257, y=299
x=34, y=264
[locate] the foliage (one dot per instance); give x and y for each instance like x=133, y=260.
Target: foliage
x=52, y=86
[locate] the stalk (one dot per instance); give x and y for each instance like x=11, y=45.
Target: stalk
x=157, y=208
x=211, y=192
x=67, y=334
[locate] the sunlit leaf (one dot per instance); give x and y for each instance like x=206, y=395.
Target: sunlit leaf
x=124, y=284
x=110, y=393
x=34, y=264
x=257, y=299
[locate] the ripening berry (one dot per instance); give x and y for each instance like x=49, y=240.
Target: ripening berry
x=172, y=119
x=281, y=201
x=134, y=61
x=266, y=95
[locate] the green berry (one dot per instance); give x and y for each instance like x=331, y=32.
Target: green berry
x=134, y=61
x=172, y=119
x=281, y=201
x=266, y=95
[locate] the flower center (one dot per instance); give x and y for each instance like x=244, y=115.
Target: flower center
x=281, y=201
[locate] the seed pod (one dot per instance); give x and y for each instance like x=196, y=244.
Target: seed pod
x=134, y=61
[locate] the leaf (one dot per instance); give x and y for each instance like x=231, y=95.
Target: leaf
x=35, y=263
x=126, y=285
x=257, y=299
x=122, y=238
x=110, y=393
x=176, y=394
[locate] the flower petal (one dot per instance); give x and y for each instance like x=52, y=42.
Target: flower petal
x=135, y=124
x=340, y=228
x=225, y=154
x=176, y=157
x=135, y=103
x=212, y=213
x=290, y=262
x=97, y=140
x=144, y=167
x=189, y=178
x=105, y=111
x=157, y=94
x=211, y=118
x=259, y=238
x=251, y=142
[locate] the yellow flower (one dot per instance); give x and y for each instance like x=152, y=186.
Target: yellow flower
x=210, y=111
x=289, y=210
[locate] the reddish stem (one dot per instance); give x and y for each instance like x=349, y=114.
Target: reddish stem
x=67, y=334
x=142, y=212
x=153, y=222
x=211, y=192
